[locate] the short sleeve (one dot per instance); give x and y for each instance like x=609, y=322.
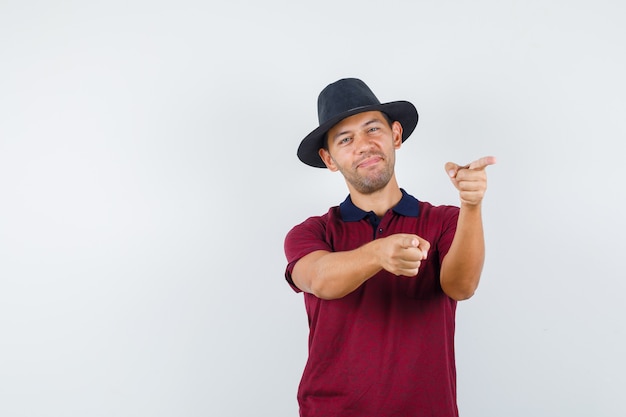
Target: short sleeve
x=305, y=238
x=449, y=216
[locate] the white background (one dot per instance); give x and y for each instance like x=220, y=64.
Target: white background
x=148, y=176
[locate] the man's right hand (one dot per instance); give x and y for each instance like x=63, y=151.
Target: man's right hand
x=402, y=254
x=331, y=275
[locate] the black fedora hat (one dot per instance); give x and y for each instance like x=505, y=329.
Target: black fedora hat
x=345, y=98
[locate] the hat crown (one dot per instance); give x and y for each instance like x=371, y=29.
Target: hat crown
x=342, y=96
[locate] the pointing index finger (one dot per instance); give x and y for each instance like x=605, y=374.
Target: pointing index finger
x=482, y=163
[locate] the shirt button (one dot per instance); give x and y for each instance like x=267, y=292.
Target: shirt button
x=380, y=230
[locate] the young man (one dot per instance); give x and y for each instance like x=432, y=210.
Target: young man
x=382, y=272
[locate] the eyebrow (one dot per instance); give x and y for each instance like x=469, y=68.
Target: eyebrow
x=369, y=122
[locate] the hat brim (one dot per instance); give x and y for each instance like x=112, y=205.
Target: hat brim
x=401, y=111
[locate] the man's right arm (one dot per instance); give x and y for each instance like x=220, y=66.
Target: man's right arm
x=331, y=275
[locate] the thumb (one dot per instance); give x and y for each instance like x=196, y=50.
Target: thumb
x=424, y=246
x=410, y=242
x=452, y=168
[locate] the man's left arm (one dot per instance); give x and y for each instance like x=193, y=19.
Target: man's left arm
x=462, y=265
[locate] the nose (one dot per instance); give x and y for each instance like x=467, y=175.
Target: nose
x=363, y=143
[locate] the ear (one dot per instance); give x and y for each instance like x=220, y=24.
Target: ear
x=328, y=160
x=396, y=132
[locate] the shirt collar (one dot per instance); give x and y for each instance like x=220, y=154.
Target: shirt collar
x=407, y=206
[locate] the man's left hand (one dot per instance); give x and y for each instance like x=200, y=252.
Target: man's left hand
x=471, y=179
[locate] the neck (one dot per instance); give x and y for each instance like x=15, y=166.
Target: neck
x=379, y=201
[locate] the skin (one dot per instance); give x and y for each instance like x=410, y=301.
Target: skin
x=362, y=147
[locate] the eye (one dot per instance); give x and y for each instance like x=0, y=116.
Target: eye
x=374, y=129
x=345, y=140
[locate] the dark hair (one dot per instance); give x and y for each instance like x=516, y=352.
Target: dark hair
x=385, y=115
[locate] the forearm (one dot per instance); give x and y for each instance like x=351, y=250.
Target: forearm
x=331, y=275
x=462, y=266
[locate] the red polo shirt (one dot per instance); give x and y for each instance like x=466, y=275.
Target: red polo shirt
x=387, y=348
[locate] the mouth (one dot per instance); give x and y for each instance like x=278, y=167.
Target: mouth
x=369, y=161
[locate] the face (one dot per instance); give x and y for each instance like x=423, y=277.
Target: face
x=362, y=147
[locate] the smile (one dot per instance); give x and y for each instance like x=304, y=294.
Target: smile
x=369, y=161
